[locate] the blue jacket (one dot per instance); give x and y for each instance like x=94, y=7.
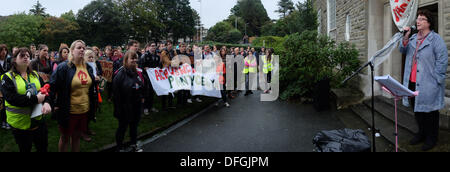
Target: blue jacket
x=432, y=62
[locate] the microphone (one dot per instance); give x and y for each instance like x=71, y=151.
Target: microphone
x=413, y=29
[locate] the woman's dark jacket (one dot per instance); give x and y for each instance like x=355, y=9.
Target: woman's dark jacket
x=60, y=92
x=129, y=88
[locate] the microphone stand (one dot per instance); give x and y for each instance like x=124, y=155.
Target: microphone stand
x=373, y=129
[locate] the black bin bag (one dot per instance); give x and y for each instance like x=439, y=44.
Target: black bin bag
x=346, y=140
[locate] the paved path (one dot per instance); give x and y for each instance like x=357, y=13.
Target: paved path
x=248, y=126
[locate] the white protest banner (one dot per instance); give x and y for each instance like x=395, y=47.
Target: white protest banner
x=404, y=12
x=170, y=80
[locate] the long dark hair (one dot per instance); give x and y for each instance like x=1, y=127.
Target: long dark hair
x=269, y=57
x=60, y=53
x=226, y=52
x=13, y=69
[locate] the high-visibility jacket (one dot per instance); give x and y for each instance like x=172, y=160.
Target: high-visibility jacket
x=267, y=65
x=20, y=117
x=250, y=66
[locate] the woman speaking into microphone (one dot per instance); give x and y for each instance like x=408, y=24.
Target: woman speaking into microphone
x=425, y=71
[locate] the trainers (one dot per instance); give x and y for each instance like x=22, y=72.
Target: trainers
x=155, y=110
x=189, y=101
x=8, y=127
x=198, y=100
x=146, y=113
x=3, y=125
x=227, y=104
x=136, y=148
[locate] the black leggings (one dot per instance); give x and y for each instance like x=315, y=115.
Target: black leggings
x=427, y=122
x=120, y=133
x=224, y=93
x=25, y=139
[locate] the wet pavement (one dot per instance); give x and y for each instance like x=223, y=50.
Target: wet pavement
x=249, y=125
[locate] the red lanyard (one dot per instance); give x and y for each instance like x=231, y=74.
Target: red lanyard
x=417, y=49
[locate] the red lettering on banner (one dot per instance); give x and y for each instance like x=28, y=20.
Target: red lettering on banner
x=158, y=75
x=177, y=72
x=183, y=70
x=399, y=11
x=171, y=71
x=166, y=73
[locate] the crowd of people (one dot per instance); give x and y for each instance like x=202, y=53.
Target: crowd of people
x=74, y=74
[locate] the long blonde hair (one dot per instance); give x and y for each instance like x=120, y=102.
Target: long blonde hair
x=72, y=47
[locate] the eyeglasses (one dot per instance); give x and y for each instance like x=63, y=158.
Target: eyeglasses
x=24, y=56
x=422, y=19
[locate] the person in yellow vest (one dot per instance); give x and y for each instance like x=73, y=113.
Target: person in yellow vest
x=267, y=66
x=20, y=89
x=250, y=68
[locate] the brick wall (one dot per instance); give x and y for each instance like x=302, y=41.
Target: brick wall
x=358, y=17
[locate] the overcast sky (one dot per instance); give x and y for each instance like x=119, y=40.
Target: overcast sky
x=212, y=11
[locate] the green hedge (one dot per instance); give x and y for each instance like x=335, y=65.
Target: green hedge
x=219, y=44
x=309, y=58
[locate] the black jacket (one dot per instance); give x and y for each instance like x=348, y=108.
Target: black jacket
x=99, y=68
x=60, y=92
x=10, y=94
x=129, y=88
x=37, y=66
x=150, y=60
x=6, y=66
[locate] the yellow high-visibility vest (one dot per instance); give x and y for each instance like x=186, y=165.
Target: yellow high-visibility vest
x=267, y=66
x=20, y=117
x=250, y=66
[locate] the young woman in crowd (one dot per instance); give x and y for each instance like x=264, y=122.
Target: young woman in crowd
x=20, y=90
x=129, y=89
x=75, y=92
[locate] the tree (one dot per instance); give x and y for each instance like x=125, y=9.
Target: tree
x=285, y=7
x=223, y=32
x=70, y=16
x=101, y=23
x=253, y=13
x=142, y=17
x=38, y=10
x=58, y=30
x=186, y=18
x=219, y=32
x=301, y=19
x=307, y=17
x=20, y=30
x=233, y=36
x=236, y=22
x=178, y=18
